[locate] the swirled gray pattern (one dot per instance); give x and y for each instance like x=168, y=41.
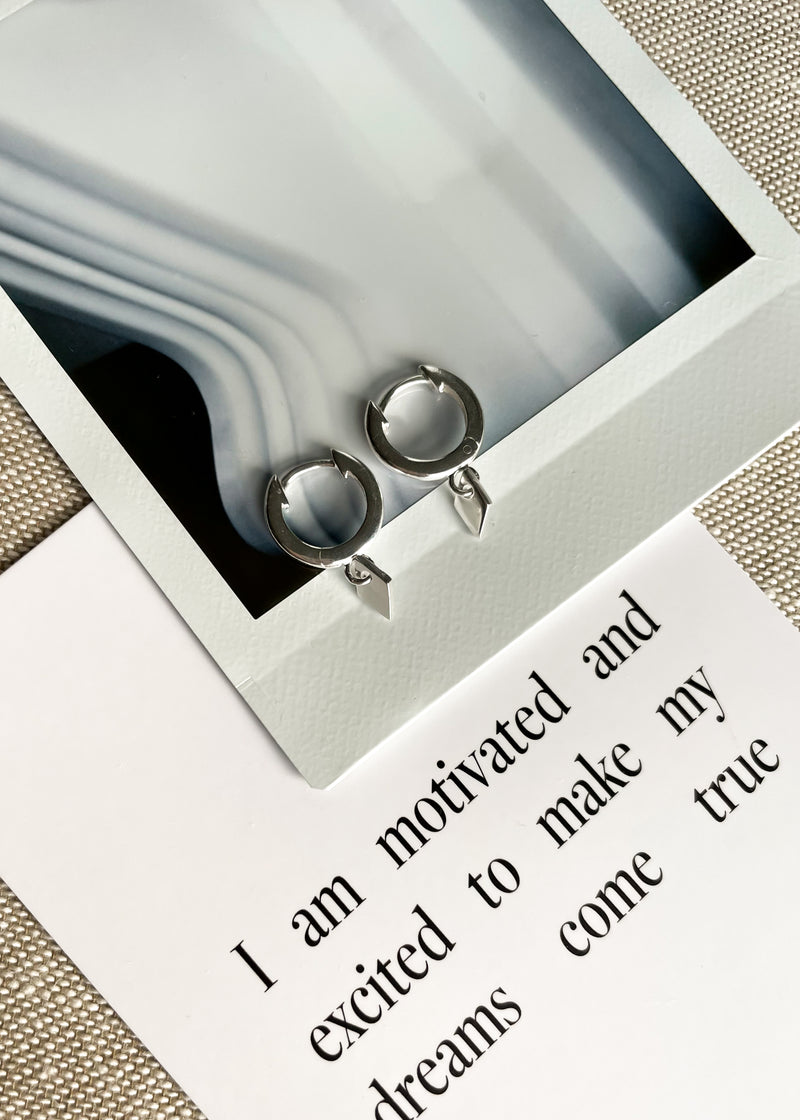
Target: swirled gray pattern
x=298, y=202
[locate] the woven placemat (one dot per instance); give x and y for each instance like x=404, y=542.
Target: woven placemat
x=63, y=1052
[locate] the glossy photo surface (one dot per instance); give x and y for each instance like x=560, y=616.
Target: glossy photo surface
x=234, y=224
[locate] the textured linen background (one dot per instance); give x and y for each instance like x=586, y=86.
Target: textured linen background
x=63, y=1051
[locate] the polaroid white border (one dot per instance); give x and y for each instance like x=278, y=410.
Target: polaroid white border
x=574, y=488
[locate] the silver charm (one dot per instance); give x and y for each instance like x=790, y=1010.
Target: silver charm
x=472, y=501
x=371, y=584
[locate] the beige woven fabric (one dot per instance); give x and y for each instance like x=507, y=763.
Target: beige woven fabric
x=63, y=1052
x=738, y=62
x=37, y=491
x=756, y=518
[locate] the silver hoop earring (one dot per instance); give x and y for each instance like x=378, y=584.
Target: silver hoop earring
x=371, y=584
x=472, y=501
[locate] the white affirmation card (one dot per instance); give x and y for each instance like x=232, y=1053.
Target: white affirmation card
x=566, y=888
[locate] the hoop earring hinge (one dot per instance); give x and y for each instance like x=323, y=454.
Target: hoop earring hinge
x=471, y=499
x=370, y=582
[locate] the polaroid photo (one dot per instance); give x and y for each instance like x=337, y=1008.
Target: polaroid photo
x=224, y=229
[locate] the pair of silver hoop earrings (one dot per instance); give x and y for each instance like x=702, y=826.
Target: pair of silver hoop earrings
x=471, y=500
